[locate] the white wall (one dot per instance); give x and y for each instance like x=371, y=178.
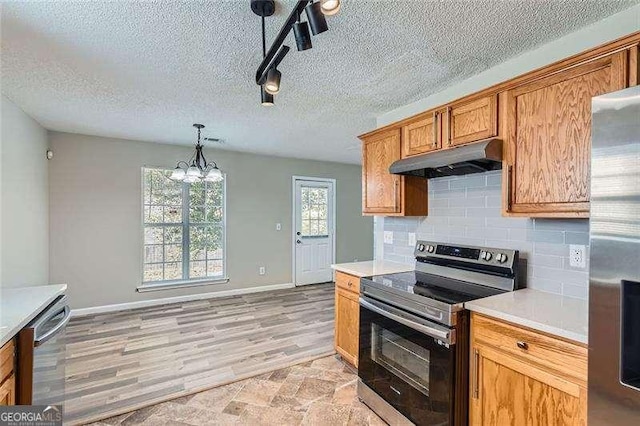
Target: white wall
x=96, y=237
x=609, y=29
x=24, y=184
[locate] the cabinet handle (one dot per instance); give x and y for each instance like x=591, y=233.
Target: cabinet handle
x=395, y=195
x=522, y=345
x=509, y=179
x=435, y=129
x=349, y=283
x=449, y=120
x=476, y=374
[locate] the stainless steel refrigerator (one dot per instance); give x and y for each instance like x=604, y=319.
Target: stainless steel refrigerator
x=614, y=276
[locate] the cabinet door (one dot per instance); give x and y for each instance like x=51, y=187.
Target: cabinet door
x=381, y=190
x=549, y=138
x=8, y=391
x=510, y=392
x=472, y=121
x=422, y=135
x=347, y=325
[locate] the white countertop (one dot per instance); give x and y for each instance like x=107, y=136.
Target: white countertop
x=372, y=267
x=550, y=313
x=18, y=306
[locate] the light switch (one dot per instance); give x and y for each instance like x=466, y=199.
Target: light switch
x=278, y=226
x=388, y=237
x=412, y=239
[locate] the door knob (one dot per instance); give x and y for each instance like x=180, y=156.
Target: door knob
x=298, y=233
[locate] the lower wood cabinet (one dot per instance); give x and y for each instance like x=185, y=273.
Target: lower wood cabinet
x=347, y=319
x=7, y=376
x=522, y=377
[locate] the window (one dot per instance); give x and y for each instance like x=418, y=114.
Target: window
x=184, y=231
x=314, y=205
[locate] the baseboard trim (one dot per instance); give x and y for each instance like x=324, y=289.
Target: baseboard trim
x=188, y=298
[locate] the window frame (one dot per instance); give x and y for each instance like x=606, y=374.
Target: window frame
x=185, y=229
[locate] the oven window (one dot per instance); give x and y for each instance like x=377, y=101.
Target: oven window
x=401, y=356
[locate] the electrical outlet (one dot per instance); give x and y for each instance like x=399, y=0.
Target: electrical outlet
x=388, y=237
x=577, y=256
x=412, y=239
x=262, y=270
x=278, y=226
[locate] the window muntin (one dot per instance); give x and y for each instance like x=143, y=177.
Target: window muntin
x=184, y=231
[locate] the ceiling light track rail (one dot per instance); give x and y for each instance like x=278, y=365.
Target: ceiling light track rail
x=277, y=51
x=267, y=75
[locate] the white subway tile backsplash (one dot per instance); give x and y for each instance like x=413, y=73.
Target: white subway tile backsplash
x=576, y=238
x=467, y=210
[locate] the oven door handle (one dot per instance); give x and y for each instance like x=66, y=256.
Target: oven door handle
x=434, y=332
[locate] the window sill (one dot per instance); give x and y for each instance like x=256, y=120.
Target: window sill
x=180, y=284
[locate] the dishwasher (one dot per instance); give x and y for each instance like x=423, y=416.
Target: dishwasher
x=41, y=356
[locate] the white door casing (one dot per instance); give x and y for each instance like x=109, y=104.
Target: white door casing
x=313, y=230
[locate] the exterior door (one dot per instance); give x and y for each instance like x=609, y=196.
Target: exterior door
x=313, y=230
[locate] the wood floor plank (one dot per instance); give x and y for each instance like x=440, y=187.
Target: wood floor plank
x=118, y=362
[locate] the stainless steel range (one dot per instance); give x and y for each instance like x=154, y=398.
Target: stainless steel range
x=414, y=331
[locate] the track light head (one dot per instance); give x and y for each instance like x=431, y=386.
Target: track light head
x=316, y=18
x=330, y=7
x=267, y=98
x=303, y=38
x=272, y=85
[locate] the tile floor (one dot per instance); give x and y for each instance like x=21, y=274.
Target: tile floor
x=320, y=392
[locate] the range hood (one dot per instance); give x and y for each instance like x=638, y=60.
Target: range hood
x=473, y=158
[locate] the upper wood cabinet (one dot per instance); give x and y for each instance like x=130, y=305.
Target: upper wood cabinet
x=382, y=192
x=548, y=146
x=471, y=121
x=424, y=134
x=523, y=377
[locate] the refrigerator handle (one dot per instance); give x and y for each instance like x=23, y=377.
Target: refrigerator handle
x=39, y=340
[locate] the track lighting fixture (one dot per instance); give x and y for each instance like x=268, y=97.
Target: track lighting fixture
x=316, y=18
x=267, y=75
x=272, y=85
x=330, y=7
x=301, y=33
x=267, y=98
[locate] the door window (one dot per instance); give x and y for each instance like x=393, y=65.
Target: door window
x=314, y=206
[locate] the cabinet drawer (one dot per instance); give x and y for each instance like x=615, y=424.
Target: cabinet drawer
x=348, y=282
x=6, y=360
x=551, y=353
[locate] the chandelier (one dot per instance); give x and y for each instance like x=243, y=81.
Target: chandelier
x=197, y=169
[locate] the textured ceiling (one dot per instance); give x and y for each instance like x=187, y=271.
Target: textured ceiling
x=148, y=70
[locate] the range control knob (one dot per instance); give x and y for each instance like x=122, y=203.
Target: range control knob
x=483, y=255
x=430, y=249
x=420, y=247
x=487, y=256
x=501, y=257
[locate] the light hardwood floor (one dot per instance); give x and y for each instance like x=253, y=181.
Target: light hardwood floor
x=119, y=362
x=319, y=393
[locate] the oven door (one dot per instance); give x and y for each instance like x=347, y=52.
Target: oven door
x=408, y=361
